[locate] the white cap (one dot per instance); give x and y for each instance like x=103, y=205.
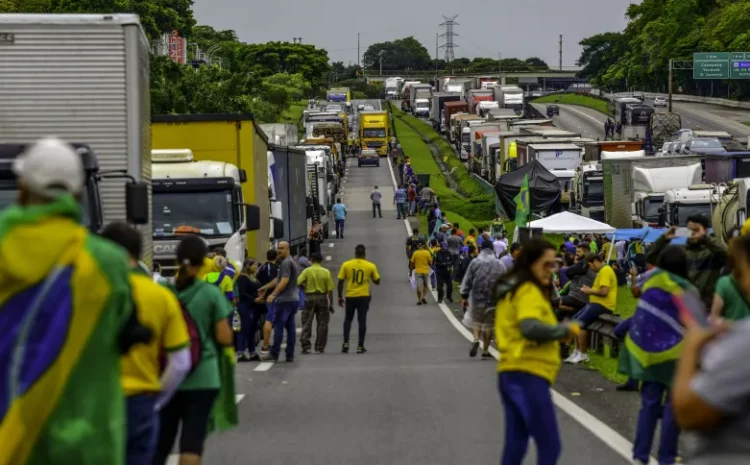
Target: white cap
x=50, y=168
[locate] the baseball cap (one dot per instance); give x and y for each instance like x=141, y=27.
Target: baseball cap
x=50, y=168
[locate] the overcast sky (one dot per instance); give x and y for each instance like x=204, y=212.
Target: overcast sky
x=486, y=27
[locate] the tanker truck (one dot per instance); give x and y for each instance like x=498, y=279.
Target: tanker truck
x=731, y=212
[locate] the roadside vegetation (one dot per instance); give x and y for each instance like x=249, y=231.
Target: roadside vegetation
x=576, y=99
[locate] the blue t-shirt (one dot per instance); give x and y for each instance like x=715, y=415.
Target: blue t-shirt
x=400, y=195
x=339, y=211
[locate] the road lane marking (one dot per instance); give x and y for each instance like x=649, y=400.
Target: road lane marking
x=570, y=107
x=593, y=425
x=331, y=245
x=328, y=258
x=264, y=366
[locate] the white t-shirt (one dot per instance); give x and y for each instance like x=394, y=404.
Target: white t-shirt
x=620, y=246
x=499, y=247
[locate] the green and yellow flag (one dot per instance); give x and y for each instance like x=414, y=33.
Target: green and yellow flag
x=523, y=203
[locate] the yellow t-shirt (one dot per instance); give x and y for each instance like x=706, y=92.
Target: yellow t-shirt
x=357, y=273
x=316, y=279
x=605, y=278
x=421, y=259
x=516, y=352
x=226, y=285
x=470, y=240
x=159, y=310
x=605, y=252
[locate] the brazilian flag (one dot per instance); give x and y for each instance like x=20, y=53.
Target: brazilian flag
x=523, y=203
x=64, y=302
x=655, y=339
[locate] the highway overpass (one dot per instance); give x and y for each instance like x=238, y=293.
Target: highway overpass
x=549, y=74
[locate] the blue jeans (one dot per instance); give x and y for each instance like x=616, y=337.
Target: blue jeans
x=400, y=210
x=590, y=313
x=529, y=413
x=412, y=206
x=655, y=403
x=285, y=313
x=143, y=429
x=250, y=318
x=339, y=228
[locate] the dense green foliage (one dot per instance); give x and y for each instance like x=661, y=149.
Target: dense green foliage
x=409, y=54
x=660, y=30
x=260, y=78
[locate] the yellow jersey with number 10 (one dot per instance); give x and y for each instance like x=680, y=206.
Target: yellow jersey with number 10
x=357, y=274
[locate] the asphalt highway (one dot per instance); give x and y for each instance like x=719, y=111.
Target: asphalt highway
x=415, y=398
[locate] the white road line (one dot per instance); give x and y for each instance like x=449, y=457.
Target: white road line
x=607, y=435
x=174, y=459
x=328, y=258
x=570, y=107
x=264, y=366
x=331, y=245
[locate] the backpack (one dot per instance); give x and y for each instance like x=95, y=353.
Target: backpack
x=195, y=341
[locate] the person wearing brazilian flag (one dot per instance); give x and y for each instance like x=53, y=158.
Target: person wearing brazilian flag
x=652, y=347
x=67, y=318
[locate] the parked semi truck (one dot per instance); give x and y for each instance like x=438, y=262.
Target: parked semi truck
x=588, y=191
x=421, y=92
x=197, y=197
x=229, y=138
x=339, y=94
x=437, y=108
x=620, y=185
x=730, y=213
x=82, y=78
x=280, y=133
x=680, y=204
x=652, y=183
x=373, y=131
x=287, y=170
x=510, y=97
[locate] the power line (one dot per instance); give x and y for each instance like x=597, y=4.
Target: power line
x=449, y=34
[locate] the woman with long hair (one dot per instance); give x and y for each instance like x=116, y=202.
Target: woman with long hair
x=251, y=308
x=207, y=311
x=527, y=334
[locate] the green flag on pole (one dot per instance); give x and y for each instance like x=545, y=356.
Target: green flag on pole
x=523, y=204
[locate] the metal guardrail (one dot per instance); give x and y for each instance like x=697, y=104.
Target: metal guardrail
x=680, y=98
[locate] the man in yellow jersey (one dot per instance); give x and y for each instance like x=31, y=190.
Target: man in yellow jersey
x=318, y=286
x=356, y=274
x=145, y=389
x=602, y=299
x=420, y=265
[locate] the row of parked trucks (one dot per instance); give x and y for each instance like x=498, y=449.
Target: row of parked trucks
x=239, y=185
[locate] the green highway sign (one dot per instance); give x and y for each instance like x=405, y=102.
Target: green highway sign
x=721, y=65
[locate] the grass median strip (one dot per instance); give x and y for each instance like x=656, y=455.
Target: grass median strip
x=576, y=99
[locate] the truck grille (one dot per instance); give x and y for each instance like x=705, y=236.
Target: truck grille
x=374, y=144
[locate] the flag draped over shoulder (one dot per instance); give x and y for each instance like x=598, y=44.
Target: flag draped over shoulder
x=654, y=340
x=64, y=299
x=224, y=414
x=523, y=203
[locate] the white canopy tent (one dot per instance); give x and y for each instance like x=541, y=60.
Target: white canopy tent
x=567, y=222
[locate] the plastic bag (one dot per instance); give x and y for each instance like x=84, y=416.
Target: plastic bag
x=413, y=281
x=467, y=321
x=433, y=279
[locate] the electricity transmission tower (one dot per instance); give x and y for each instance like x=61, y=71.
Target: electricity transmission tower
x=449, y=35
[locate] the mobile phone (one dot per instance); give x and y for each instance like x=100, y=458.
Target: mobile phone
x=682, y=232
x=691, y=308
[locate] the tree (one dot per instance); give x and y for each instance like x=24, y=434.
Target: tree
x=283, y=57
x=599, y=53
x=401, y=54
x=537, y=63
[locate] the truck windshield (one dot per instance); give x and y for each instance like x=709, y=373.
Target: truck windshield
x=593, y=189
x=684, y=211
x=9, y=195
x=373, y=133
x=465, y=138
x=206, y=213
x=651, y=206
x=423, y=105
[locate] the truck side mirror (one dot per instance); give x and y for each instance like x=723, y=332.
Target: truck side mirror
x=136, y=202
x=243, y=175
x=252, y=217
x=278, y=228
x=662, y=217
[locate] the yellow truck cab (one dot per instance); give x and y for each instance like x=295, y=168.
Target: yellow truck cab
x=196, y=197
x=373, y=131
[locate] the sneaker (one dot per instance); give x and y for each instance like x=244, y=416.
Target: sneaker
x=419, y=302
x=289, y=360
x=474, y=349
x=486, y=355
x=584, y=358
x=449, y=299
x=319, y=351
x=269, y=358
x=424, y=301
x=305, y=351
x=639, y=462
x=254, y=358
x=572, y=357
x=361, y=349
x=440, y=301
x=345, y=348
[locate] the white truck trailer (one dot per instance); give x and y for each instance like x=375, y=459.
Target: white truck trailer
x=85, y=79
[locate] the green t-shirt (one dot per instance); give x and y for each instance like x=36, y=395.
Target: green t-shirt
x=207, y=305
x=735, y=305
